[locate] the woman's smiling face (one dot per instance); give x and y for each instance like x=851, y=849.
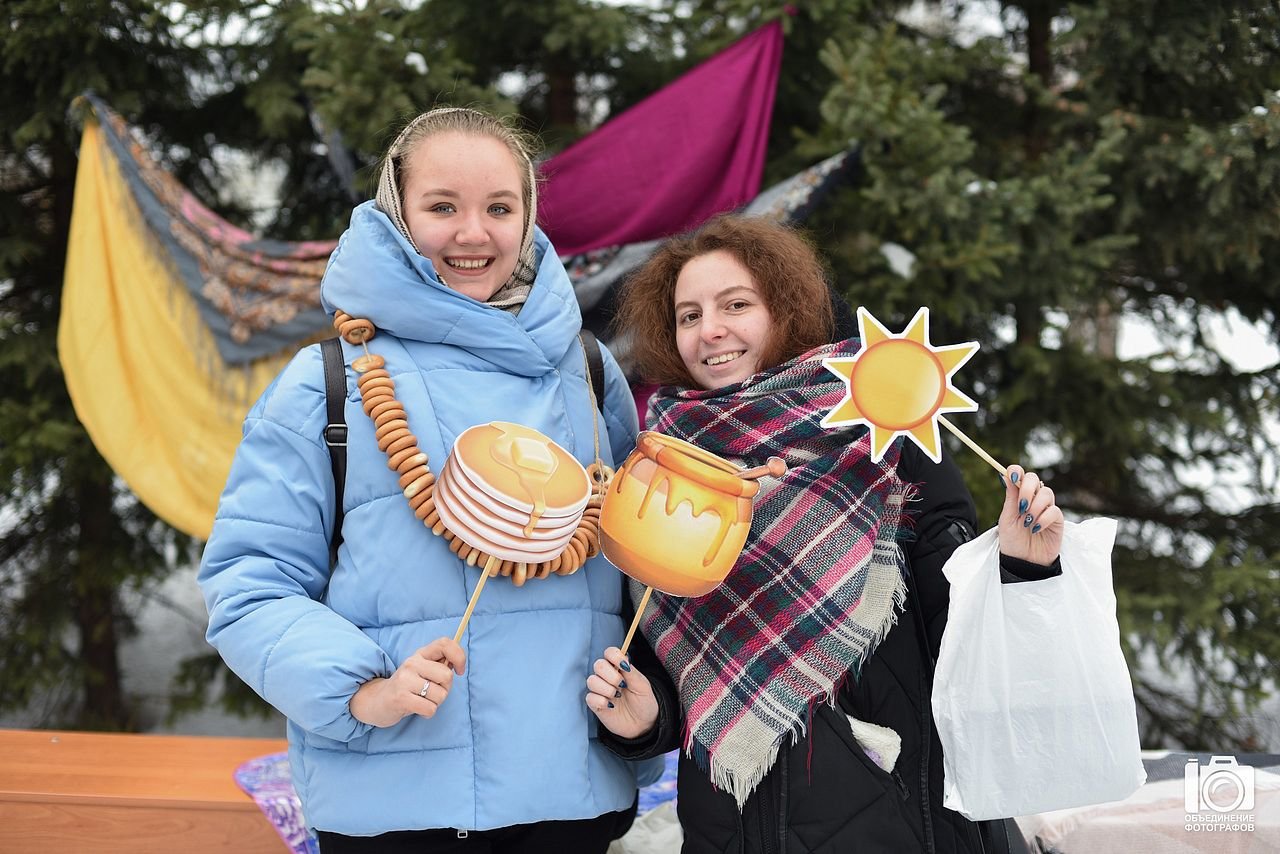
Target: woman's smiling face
x=722, y=322
x=463, y=204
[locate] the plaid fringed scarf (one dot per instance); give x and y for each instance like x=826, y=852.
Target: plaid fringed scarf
x=819, y=582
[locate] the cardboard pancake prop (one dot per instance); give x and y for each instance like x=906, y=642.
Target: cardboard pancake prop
x=502, y=484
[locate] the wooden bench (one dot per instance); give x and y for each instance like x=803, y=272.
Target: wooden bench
x=78, y=791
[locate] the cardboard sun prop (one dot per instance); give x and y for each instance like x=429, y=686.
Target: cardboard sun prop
x=899, y=385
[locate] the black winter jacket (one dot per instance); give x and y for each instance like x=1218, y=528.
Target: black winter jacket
x=824, y=794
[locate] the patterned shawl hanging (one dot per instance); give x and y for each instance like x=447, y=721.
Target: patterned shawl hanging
x=818, y=583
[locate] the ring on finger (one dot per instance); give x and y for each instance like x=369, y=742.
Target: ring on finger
x=426, y=686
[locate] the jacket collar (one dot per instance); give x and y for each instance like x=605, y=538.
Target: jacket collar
x=375, y=273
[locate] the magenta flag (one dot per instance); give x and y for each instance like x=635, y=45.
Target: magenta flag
x=691, y=150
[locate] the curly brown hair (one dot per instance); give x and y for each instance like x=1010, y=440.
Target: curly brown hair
x=784, y=267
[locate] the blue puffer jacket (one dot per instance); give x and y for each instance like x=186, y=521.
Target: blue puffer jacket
x=514, y=742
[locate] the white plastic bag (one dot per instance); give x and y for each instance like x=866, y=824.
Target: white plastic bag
x=1031, y=695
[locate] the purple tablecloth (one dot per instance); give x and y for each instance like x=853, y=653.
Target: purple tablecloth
x=266, y=780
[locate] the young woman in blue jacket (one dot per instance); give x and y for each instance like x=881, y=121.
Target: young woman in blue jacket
x=399, y=738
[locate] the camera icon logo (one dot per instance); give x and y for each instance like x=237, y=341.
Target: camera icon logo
x=1222, y=786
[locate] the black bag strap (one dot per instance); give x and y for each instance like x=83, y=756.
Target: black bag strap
x=595, y=363
x=335, y=431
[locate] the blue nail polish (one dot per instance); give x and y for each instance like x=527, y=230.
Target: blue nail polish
x=1022, y=506
x=624, y=667
x=1013, y=476
x=611, y=705
x=622, y=684
x=1027, y=521
x=1002, y=483
x=1035, y=529
x=617, y=693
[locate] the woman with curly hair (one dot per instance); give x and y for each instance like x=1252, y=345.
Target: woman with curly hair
x=799, y=689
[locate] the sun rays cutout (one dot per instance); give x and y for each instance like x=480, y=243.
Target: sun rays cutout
x=899, y=385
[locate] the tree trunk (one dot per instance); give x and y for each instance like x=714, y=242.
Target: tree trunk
x=89, y=480
x=1098, y=327
x=95, y=603
x=1040, y=64
x=562, y=94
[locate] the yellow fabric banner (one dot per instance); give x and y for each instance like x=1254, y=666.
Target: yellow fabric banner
x=143, y=373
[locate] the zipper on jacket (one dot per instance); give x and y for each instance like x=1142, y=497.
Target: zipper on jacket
x=926, y=731
x=763, y=802
x=902, y=785
x=782, y=807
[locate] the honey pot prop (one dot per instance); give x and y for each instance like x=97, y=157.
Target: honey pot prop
x=676, y=517
x=507, y=498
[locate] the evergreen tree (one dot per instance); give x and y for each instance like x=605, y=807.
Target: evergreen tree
x=307, y=77
x=327, y=82
x=564, y=61
x=75, y=544
x=1083, y=166
x=1088, y=166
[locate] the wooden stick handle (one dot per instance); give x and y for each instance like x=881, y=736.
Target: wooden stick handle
x=973, y=446
x=471, y=606
x=775, y=467
x=631, y=632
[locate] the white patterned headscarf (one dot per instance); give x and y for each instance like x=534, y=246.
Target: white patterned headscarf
x=512, y=295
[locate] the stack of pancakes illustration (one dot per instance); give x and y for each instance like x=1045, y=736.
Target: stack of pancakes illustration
x=512, y=493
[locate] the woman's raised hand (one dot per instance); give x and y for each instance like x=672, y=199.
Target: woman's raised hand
x=621, y=696
x=418, y=687
x=1030, y=522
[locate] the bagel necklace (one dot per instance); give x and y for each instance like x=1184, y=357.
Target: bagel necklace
x=409, y=461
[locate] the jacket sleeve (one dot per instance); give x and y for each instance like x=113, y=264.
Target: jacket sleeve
x=619, y=408
x=944, y=518
x=265, y=570
x=665, y=735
